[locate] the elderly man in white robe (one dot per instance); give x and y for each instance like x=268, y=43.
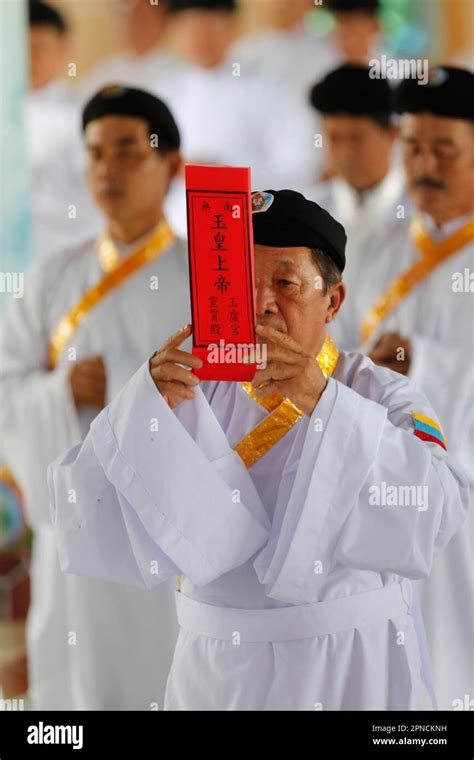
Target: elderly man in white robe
x=367, y=190
x=296, y=508
x=89, y=318
x=414, y=314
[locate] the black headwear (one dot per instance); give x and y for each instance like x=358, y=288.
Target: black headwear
x=349, y=89
x=448, y=92
x=204, y=5
x=348, y=6
x=119, y=100
x=42, y=14
x=286, y=219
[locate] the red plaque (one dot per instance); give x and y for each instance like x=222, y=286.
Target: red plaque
x=220, y=241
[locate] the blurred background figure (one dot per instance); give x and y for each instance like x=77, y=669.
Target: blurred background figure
x=421, y=324
x=49, y=44
x=145, y=61
x=61, y=208
x=367, y=189
x=297, y=58
x=297, y=55
x=228, y=112
x=94, y=645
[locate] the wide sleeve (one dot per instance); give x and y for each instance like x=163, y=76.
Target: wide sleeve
x=368, y=494
x=38, y=418
x=163, y=493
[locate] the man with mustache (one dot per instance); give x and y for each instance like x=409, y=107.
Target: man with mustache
x=264, y=497
x=89, y=318
x=415, y=316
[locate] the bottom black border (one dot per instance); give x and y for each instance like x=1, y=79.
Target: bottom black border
x=323, y=734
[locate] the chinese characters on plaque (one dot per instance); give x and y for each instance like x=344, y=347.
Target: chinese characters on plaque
x=221, y=265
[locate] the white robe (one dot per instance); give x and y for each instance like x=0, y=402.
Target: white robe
x=125, y=640
x=439, y=322
x=62, y=212
x=296, y=591
x=232, y=115
x=142, y=71
x=366, y=218
x=297, y=59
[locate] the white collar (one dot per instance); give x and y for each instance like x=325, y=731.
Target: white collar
x=439, y=233
x=125, y=249
x=54, y=90
x=375, y=200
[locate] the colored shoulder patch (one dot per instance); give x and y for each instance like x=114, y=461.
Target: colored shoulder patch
x=428, y=430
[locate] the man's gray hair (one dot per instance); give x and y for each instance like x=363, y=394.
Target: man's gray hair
x=330, y=272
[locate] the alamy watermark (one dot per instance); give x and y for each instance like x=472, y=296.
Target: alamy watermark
x=12, y=705
x=386, y=495
x=42, y=733
x=12, y=282
x=237, y=353
x=399, y=68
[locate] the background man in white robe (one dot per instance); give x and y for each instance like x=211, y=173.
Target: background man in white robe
x=367, y=189
x=228, y=112
x=145, y=61
x=94, y=645
x=62, y=211
x=428, y=334
x=268, y=498
x=297, y=58
x=297, y=55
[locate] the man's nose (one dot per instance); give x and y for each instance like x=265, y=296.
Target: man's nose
x=106, y=168
x=425, y=163
x=265, y=298
x=346, y=152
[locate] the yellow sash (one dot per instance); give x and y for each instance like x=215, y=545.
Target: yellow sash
x=283, y=413
x=432, y=255
x=117, y=272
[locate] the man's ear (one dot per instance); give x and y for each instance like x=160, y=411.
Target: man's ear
x=65, y=50
x=337, y=295
x=175, y=164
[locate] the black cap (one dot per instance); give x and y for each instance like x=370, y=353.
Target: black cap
x=350, y=6
x=204, y=5
x=448, y=92
x=349, y=89
x=118, y=100
x=286, y=219
x=42, y=14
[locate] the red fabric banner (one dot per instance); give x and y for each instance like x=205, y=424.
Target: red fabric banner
x=220, y=243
